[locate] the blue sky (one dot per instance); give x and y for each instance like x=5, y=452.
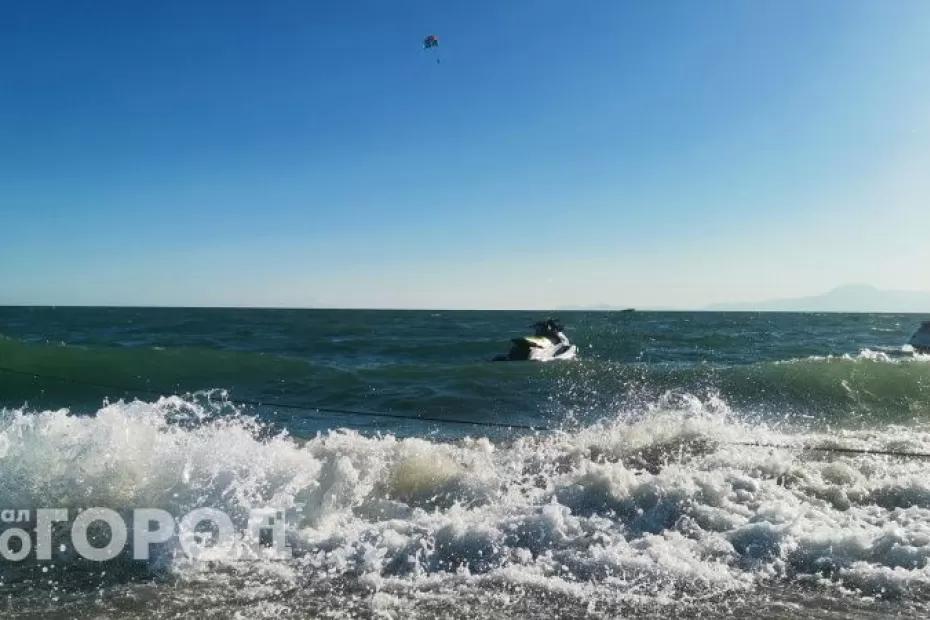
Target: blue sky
x=302, y=153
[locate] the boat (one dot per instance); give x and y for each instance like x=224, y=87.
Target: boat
x=548, y=343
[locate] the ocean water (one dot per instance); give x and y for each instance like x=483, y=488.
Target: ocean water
x=641, y=497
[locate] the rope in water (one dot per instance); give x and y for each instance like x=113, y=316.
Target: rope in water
x=397, y=416
x=838, y=449
x=283, y=405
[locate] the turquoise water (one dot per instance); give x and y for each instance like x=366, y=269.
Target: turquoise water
x=435, y=363
x=641, y=499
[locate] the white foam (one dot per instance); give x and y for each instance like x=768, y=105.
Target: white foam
x=666, y=505
x=891, y=355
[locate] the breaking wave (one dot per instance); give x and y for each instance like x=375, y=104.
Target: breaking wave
x=870, y=387
x=663, y=507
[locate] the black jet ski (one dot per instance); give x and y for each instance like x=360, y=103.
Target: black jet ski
x=921, y=338
x=548, y=343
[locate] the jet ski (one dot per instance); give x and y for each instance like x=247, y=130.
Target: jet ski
x=921, y=338
x=548, y=343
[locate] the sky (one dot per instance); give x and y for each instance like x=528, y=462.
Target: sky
x=547, y=154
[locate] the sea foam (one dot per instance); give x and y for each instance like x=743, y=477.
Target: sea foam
x=668, y=504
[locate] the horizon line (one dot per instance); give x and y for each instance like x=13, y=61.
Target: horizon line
x=630, y=310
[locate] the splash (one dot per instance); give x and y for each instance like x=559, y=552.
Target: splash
x=662, y=506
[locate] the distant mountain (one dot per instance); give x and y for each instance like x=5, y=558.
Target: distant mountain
x=849, y=298
x=596, y=307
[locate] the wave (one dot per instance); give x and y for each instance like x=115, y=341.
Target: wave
x=871, y=387
x=663, y=508
x=70, y=372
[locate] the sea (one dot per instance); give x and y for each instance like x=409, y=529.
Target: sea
x=685, y=464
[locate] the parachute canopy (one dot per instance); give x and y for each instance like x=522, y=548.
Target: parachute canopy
x=430, y=41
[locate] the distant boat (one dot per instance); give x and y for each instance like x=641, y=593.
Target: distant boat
x=628, y=310
x=921, y=338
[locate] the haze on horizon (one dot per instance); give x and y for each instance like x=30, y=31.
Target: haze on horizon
x=288, y=154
